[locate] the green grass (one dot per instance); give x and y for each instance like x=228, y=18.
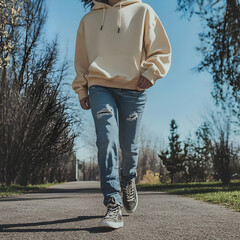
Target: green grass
x=212, y=192
x=16, y=189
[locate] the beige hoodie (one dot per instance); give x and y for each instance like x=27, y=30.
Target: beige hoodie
x=117, y=44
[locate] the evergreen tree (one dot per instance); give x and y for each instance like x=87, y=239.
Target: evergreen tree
x=173, y=158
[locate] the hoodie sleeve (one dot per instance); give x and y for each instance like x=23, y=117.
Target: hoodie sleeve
x=157, y=47
x=80, y=85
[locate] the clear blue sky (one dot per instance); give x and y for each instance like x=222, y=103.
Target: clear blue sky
x=182, y=94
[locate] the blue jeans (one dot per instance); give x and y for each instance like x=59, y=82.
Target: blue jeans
x=117, y=115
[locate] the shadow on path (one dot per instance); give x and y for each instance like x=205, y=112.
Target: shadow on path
x=70, y=190
x=50, y=191
x=12, y=199
x=7, y=227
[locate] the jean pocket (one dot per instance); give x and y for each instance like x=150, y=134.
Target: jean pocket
x=92, y=87
x=135, y=91
x=134, y=94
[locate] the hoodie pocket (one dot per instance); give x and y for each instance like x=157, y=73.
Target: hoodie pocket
x=114, y=67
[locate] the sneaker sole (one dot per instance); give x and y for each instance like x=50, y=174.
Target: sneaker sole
x=110, y=224
x=131, y=211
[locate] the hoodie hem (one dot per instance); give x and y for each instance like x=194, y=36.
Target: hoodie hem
x=109, y=83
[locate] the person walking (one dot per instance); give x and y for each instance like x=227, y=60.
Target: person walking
x=122, y=49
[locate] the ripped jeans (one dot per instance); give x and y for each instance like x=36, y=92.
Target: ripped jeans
x=117, y=115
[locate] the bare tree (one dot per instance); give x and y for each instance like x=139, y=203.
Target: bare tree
x=36, y=140
x=203, y=149
x=223, y=146
x=219, y=47
x=148, y=155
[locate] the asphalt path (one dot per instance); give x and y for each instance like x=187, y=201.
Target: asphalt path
x=73, y=210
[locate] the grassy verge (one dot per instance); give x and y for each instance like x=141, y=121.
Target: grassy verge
x=18, y=189
x=212, y=192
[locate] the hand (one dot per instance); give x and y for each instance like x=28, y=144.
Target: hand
x=85, y=103
x=144, y=82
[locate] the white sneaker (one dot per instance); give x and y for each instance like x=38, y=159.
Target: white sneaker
x=113, y=218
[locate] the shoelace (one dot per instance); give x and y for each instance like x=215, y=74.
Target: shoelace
x=111, y=212
x=129, y=191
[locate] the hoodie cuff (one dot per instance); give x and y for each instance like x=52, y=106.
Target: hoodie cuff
x=148, y=73
x=82, y=93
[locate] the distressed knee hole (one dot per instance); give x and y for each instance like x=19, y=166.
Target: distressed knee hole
x=105, y=111
x=132, y=116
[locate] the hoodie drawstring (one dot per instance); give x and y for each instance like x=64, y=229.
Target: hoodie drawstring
x=103, y=17
x=119, y=24
x=119, y=18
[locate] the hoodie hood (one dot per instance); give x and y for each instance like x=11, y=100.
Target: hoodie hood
x=104, y=6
